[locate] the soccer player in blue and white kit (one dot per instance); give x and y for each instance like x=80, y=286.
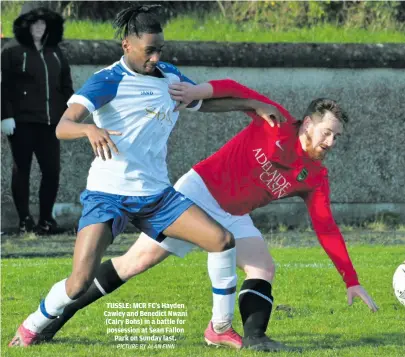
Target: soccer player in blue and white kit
x=128, y=181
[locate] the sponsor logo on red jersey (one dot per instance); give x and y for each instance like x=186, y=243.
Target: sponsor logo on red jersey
x=270, y=176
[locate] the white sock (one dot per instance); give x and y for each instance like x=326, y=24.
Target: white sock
x=222, y=272
x=52, y=306
x=221, y=327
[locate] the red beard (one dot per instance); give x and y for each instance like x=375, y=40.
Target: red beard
x=315, y=153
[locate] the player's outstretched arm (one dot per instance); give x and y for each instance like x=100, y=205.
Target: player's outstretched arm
x=186, y=92
x=332, y=241
x=70, y=128
x=245, y=99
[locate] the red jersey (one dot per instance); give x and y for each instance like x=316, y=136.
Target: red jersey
x=262, y=164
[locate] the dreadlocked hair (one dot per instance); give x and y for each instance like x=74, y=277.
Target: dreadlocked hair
x=137, y=20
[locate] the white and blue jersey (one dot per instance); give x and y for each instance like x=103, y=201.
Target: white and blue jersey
x=140, y=107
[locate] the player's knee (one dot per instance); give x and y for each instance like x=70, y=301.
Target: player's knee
x=229, y=240
x=226, y=241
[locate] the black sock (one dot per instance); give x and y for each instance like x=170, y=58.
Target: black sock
x=255, y=306
x=105, y=282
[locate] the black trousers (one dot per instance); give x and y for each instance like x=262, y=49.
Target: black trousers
x=30, y=138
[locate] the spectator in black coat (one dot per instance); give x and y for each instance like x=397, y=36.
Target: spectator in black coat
x=36, y=84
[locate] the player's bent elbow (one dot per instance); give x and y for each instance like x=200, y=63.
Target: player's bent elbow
x=59, y=131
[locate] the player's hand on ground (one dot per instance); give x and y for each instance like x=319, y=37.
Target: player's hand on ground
x=360, y=292
x=269, y=113
x=101, y=142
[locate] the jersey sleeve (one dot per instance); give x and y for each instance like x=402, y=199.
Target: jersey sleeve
x=169, y=68
x=229, y=88
x=98, y=90
x=328, y=233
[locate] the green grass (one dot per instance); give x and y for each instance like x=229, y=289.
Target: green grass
x=216, y=28
x=311, y=313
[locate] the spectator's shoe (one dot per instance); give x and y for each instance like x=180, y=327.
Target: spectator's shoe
x=229, y=338
x=266, y=344
x=24, y=338
x=27, y=225
x=46, y=226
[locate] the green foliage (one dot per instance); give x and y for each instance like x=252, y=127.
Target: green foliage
x=374, y=15
x=187, y=28
x=282, y=228
x=81, y=29
x=9, y=12
x=383, y=221
x=283, y=15
x=244, y=21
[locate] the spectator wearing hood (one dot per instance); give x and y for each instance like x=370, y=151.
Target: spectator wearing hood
x=36, y=84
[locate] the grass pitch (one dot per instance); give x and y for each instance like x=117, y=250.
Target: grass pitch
x=310, y=302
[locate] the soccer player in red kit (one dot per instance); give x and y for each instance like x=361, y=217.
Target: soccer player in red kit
x=262, y=163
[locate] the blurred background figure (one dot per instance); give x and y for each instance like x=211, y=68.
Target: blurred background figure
x=36, y=84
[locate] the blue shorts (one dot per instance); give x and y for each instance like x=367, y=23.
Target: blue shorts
x=151, y=214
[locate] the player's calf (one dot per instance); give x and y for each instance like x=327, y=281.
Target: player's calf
x=255, y=305
x=106, y=281
x=265, y=273
x=143, y=255
x=222, y=272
